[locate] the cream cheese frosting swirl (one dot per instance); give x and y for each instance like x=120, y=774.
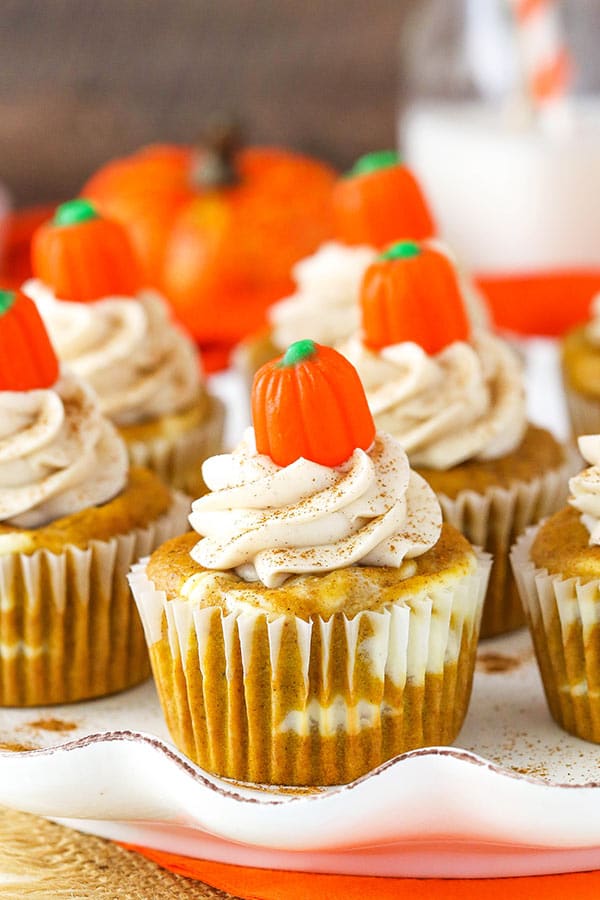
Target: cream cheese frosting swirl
x=141, y=365
x=58, y=454
x=467, y=402
x=325, y=304
x=585, y=487
x=267, y=522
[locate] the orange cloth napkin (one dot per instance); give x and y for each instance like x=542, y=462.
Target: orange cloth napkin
x=270, y=884
x=545, y=304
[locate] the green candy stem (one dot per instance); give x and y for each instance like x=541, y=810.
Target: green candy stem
x=372, y=162
x=7, y=298
x=75, y=211
x=402, y=250
x=298, y=352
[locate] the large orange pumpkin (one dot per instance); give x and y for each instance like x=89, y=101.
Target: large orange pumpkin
x=218, y=230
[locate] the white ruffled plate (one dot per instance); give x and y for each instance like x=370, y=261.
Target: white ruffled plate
x=515, y=796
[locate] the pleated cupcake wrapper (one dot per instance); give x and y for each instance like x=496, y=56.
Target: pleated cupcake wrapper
x=178, y=460
x=584, y=412
x=493, y=520
x=69, y=629
x=290, y=701
x=563, y=615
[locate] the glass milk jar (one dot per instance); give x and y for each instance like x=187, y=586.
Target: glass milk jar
x=500, y=119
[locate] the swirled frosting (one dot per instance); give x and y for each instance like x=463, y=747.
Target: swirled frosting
x=467, y=402
x=141, y=365
x=58, y=454
x=585, y=487
x=268, y=522
x=325, y=303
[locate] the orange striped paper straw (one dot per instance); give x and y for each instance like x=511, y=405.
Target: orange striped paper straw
x=545, y=58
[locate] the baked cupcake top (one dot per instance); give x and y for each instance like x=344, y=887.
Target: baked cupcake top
x=592, y=328
x=325, y=303
x=58, y=455
x=448, y=391
x=312, y=487
x=119, y=338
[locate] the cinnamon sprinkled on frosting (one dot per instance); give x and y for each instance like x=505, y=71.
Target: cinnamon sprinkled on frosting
x=268, y=522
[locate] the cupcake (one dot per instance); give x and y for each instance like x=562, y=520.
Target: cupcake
x=377, y=202
x=324, y=304
x=321, y=620
x=557, y=567
x=453, y=396
x=122, y=341
x=73, y=518
x=581, y=373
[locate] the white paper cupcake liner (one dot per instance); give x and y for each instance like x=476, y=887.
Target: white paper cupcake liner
x=290, y=701
x=493, y=520
x=177, y=460
x=584, y=412
x=563, y=615
x=68, y=626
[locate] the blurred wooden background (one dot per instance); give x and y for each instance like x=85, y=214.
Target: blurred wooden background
x=84, y=80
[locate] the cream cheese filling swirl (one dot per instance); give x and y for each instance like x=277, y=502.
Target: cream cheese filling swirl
x=58, y=455
x=267, y=522
x=467, y=402
x=141, y=365
x=325, y=303
x=585, y=487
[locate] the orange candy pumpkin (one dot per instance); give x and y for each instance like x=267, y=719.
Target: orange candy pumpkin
x=83, y=256
x=27, y=359
x=411, y=293
x=310, y=403
x=218, y=230
x=379, y=201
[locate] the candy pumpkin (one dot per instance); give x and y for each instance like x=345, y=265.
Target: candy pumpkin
x=411, y=293
x=218, y=230
x=310, y=403
x=27, y=359
x=379, y=201
x=83, y=256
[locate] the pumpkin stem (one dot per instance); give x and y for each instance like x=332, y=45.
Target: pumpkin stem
x=298, y=352
x=372, y=162
x=7, y=299
x=216, y=164
x=75, y=211
x=401, y=250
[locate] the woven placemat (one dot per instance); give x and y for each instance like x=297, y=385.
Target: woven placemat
x=39, y=859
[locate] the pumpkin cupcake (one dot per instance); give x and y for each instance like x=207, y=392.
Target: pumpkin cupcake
x=453, y=396
x=122, y=341
x=557, y=567
x=378, y=201
x=325, y=620
x=581, y=373
x=73, y=517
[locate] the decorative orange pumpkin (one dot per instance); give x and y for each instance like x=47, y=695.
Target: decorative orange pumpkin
x=310, y=403
x=379, y=201
x=218, y=230
x=411, y=293
x=27, y=359
x=83, y=256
